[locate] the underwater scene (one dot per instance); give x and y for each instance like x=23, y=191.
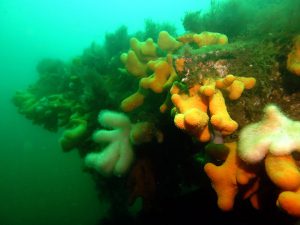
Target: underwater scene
x=150, y=113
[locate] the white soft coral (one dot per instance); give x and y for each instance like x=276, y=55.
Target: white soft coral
x=275, y=133
x=117, y=157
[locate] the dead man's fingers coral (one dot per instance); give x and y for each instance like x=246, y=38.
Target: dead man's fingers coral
x=117, y=157
x=275, y=133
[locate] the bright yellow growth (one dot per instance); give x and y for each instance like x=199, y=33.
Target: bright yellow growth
x=161, y=79
x=235, y=85
x=186, y=38
x=220, y=118
x=210, y=38
x=141, y=59
x=133, y=101
x=156, y=81
x=133, y=64
x=145, y=50
x=208, y=87
x=167, y=43
x=191, y=112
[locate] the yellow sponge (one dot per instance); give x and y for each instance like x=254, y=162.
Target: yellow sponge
x=167, y=42
x=210, y=38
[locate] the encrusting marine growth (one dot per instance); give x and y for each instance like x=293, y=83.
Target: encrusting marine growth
x=196, y=82
x=270, y=142
x=191, y=107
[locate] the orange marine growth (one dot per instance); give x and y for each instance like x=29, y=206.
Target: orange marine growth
x=228, y=177
x=289, y=201
x=283, y=171
x=235, y=85
x=133, y=101
x=156, y=81
x=191, y=112
x=220, y=118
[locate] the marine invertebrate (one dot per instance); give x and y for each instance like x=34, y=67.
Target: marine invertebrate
x=145, y=50
x=191, y=112
x=235, y=176
x=117, y=157
x=228, y=178
x=133, y=101
x=207, y=99
x=163, y=72
x=204, y=38
x=143, y=57
x=275, y=134
x=196, y=81
x=209, y=38
x=167, y=43
x=289, y=201
x=283, y=171
x=188, y=115
x=235, y=85
x=160, y=80
x=133, y=64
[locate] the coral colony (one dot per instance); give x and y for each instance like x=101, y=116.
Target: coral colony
x=196, y=85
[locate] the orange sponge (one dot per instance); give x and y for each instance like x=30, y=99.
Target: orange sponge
x=227, y=178
x=220, y=117
x=284, y=173
x=156, y=81
x=290, y=202
x=133, y=101
x=235, y=85
x=223, y=179
x=191, y=112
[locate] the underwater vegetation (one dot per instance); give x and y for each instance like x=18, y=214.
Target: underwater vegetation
x=251, y=18
x=173, y=126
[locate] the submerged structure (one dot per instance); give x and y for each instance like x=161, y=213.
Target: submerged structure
x=158, y=119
